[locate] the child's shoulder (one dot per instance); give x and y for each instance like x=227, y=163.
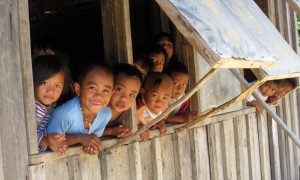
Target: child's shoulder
x=70, y=106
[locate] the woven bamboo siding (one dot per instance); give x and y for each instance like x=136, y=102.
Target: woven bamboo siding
x=246, y=146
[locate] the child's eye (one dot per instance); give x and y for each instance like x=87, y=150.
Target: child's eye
x=45, y=83
x=184, y=84
x=92, y=88
x=120, y=90
x=165, y=98
x=176, y=83
x=162, y=62
x=58, y=86
x=132, y=96
x=106, y=91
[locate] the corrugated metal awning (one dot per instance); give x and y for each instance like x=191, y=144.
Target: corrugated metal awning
x=233, y=34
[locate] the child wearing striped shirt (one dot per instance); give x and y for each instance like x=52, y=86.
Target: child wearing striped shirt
x=51, y=79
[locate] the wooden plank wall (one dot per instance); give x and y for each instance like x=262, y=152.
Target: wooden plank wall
x=240, y=145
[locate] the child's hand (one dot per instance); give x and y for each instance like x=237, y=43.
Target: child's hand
x=189, y=116
x=145, y=135
x=91, y=140
x=60, y=148
x=90, y=150
x=121, y=132
x=162, y=128
x=259, y=108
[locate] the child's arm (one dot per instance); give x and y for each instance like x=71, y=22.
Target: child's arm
x=255, y=104
x=182, y=118
x=120, y=131
x=87, y=140
x=162, y=127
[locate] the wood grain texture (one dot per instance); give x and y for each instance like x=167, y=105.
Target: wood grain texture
x=253, y=147
x=199, y=152
x=229, y=152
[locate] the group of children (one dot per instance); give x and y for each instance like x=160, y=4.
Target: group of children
x=271, y=91
x=103, y=95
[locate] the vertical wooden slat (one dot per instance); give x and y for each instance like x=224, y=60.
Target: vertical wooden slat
x=57, y=169
x=25, y=57
x=117, y=40
x=289, y=142
x=134, y=161
x=156, y=159
x=182, y=154
x=263, y=146
x=215, y=151
x=282, y=147
x=37, y=172
x=74, y=167
x=229, y=158
x=190, y=60
x=253, y=147
x=240, y=135
x=13, y=135
x=89, y=166
x=274, y=148
x=168, y=157
x=199, y=152
x=295, y=129
x=146, y=160
x=279, y=16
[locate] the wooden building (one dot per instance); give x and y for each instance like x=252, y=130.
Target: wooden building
x=230, y=142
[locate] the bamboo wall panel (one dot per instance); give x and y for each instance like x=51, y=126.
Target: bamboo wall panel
x=157, y=165
x=146, y=160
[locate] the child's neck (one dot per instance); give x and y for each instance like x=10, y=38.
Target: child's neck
x=115, y=115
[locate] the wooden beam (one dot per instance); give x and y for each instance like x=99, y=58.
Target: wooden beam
x=295, y=5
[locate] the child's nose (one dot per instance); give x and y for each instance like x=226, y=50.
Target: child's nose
x=50, y=89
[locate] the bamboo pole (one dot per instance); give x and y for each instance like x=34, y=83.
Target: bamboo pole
x=165, y=113
x=267, y=108
x=210, y=112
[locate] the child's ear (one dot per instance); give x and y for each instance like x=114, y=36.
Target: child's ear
x=77, y=88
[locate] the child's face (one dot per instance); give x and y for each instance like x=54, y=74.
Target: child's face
x=283, y=90
x=167, y=45
x=158, y=61
x=50, y=90
x=126, y=90
x=157, y=98
x=95, y=91
x=268, y=88
x=180, y=81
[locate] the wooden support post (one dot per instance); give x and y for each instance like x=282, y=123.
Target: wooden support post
x=117, y=40
x=166, y=112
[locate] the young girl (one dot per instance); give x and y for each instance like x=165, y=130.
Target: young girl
x=51, y=79
x=84, y=117
x=128, y=81
x=167, y=42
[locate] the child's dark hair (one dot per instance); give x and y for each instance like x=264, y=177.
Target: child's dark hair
x=128, y=70
x=154, y=79
x=278, y=82
x=176, y=66
x=90, y=66
x=160, y=35
x=291, y=81
x=143, y=60
x=156, y=49
x=44, y=67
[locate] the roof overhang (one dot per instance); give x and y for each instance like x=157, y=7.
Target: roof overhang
x=233, y=34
